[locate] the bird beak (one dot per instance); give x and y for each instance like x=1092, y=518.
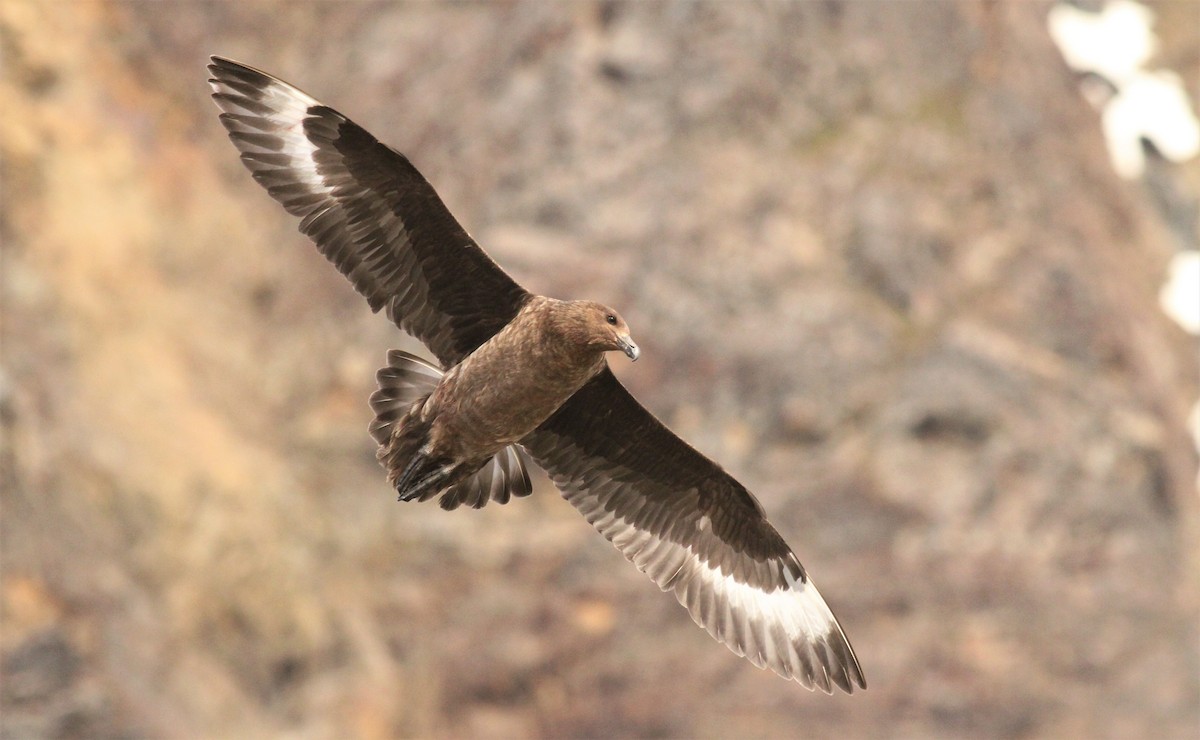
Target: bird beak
x=629, y=348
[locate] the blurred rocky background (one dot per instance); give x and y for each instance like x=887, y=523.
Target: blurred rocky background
x=879, y=266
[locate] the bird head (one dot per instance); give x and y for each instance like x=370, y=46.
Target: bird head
x=601, y=328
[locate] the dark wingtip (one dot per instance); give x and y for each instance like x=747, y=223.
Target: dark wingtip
x=227, y=72
x=849, y=673
x=219, y=65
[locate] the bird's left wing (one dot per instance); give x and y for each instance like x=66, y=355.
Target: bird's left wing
x=369, y=211
x=695, y=531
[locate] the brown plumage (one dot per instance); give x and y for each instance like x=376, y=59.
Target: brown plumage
x=487, y=402
x=524, y=375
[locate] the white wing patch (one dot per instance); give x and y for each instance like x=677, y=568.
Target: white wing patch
x=788, y=626
x=788, y=629
x=267, y=121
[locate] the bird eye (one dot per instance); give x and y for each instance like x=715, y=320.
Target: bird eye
x=611, y=319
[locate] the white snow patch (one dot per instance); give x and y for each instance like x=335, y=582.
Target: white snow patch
x=1116, y=44
x=1151, y=106
x=1180, y=297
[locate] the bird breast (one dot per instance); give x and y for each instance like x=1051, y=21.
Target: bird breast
x=507, y=387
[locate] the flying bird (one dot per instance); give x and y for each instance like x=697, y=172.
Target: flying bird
x=522, y=376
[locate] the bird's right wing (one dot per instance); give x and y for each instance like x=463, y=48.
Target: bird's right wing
x=695, y=531
x=369, y=211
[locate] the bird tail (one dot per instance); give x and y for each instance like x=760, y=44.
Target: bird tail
x=404, y=385
x=406, y=380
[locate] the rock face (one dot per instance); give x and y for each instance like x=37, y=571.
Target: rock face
x=876, y=249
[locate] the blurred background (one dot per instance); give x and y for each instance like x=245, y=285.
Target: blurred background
x=880, y=264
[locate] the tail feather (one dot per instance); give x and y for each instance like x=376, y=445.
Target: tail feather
x=406, y=381
x=512, y=468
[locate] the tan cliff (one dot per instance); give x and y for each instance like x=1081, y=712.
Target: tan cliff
x=878, y=266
